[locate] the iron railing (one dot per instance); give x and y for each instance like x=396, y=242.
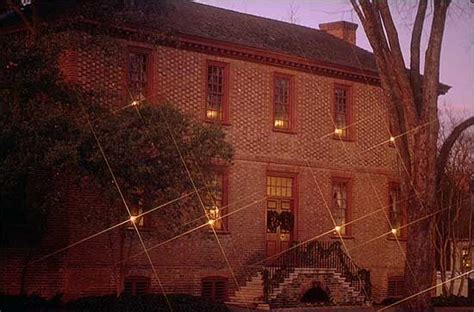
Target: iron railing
x=315, y=254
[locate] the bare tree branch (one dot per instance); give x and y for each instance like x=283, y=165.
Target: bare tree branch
x=432, y=61
x=443, y=155
x=415, y=54
x=21, y=14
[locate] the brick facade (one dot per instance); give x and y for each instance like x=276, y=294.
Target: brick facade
x=310, y=152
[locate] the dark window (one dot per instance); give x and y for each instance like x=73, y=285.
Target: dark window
x=340, y=205
x=138, y=71
x=217, y=200
x=282, y=102
x=136, y=285
x=396, y=287
x=216, y=91
x=214, y=289
x=342, y=111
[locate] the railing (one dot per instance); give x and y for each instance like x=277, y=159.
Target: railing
x=315, y=254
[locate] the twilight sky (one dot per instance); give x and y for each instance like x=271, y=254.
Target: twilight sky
x=457, y=58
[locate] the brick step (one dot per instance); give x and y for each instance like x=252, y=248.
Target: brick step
x=249, y=297
x=256, y=288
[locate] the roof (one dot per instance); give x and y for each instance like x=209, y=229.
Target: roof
x=258, y=32
x=195, y=19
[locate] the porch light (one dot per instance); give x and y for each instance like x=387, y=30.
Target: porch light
x=133, y=219
x=392, y=139
x=135, y=103
x=211, y=222
x=278, y=123
x=338, y=131
x=338, y=228
x=394, y=231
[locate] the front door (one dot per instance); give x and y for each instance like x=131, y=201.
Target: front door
x=280, y=214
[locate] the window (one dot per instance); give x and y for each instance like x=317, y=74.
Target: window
x=136, y=285
x=214, y=289
x=342, y=113
x=340, y=205
x=216, y=200
x=396, y=210
x=143, y=221
x=396, y=287
x=282, y=102
x=280, y=206
x=465, y=259
x=217, y=91
x=138, y=74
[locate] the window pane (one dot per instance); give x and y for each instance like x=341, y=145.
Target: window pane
x=215, y=92
x=279, y=186
x=281, y=103
x=215, y=202
x=340, y=204
x=395, y=214
x=341, y=111
x=137, y=75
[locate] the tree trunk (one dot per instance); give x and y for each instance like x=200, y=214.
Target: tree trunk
x=422, y=264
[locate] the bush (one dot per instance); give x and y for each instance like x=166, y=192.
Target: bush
x=110, y=303
x=450, y=301
x=146, y=303
x=28, y=303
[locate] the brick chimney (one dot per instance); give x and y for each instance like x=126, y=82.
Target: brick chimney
x=342, y=30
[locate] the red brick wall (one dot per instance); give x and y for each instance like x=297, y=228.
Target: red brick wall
x=179, y=77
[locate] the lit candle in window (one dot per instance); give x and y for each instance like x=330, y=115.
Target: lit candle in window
x=278, y=123
x=394, y=231
x=392, y=139
x=338, y=228
x=133, y=219
x=211, y=114
x=337, y=131
x=135, y=103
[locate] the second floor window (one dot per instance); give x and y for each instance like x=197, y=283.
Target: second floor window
x=340, y=205
x=396, y=211
x=138, y=71
x=216, y=201
x=282, y=102
x=216, y=91
x=342, y=111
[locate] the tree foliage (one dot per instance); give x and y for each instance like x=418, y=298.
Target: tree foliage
x=46, y=141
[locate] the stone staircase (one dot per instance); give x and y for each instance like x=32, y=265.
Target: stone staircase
x=288, y=293
x=251, y=294
x=283, y=282
x=290, y=290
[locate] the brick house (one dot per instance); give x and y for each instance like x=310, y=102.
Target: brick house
x=314, y=169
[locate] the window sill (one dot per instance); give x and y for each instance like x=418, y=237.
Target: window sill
x=284, y=131
x=219, y=232
x=344, y=236
x=141, y=228
x=219, y=122
x=400, y=239
x=345, y=139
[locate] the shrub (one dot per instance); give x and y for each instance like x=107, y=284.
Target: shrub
x=451, y=301
x=146, y=303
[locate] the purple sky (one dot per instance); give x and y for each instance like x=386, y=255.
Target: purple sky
x=457, y=58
